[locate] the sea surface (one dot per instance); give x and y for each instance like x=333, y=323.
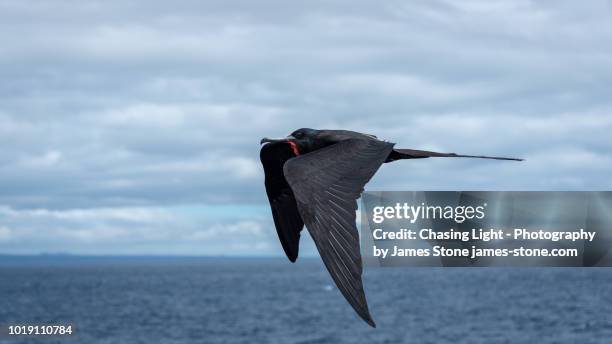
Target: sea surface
x=266, y=300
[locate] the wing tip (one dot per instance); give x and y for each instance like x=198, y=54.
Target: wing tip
x=366, y=316
x=370, y=322
x=291, y=255
x=291, y=249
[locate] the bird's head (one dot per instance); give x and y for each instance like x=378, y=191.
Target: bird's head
x=302, y=141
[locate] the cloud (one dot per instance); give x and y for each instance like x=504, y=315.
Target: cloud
x=137, y=230
x=5, y=234
x=147, y=108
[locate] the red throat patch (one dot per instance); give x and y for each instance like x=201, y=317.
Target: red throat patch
x=294, y=147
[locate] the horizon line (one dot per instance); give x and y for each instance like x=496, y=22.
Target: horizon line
x=123, y=255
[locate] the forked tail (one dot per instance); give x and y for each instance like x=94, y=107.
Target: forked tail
x=398, y=154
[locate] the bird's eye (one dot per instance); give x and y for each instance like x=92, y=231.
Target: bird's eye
x=298, y=135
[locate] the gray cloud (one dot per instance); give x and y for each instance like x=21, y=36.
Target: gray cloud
x=144, y=108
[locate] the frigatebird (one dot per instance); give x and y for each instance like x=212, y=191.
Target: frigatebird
x=314, y=177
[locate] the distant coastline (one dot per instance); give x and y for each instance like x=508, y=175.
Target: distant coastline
x=66, y=258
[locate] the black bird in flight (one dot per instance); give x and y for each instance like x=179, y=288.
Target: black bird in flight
x=315, y=177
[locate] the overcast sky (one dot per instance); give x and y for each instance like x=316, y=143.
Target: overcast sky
x=133, y=127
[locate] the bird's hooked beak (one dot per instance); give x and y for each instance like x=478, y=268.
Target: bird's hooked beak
x=283, y=139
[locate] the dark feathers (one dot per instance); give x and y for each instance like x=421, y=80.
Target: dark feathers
x=327, y=184
x=315, y=177
x=287, y=219
x=401, y=153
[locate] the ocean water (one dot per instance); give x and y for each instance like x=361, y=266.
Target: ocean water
x=179, y=300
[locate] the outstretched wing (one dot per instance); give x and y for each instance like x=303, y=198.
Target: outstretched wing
x=326, y=184
x=287, y=219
